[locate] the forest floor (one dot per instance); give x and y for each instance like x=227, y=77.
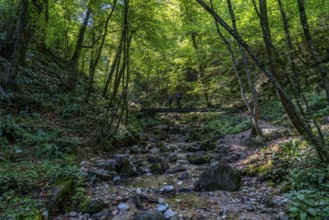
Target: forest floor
x=174, y=191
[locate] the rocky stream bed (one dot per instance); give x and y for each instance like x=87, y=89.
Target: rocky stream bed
x=169, y=177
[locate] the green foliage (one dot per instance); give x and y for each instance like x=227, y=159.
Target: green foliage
x=272, y=111
x=215, y=126
x=308, y=204
x=21, y=182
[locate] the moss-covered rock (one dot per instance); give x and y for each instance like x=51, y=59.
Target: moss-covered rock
x=60, y=196
x=207, y=146
x=92, y=205
x=198, y=158
x=149, y=215
x=156, y=168
x=125, y=169
x=220, y=177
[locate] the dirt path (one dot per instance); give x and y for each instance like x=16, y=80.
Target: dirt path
x=175, y=187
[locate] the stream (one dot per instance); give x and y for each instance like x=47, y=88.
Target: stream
x=172, y=188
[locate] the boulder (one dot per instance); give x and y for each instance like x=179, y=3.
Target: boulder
x=208, y=146
x=102, y=215
x=62, y=190
x=149, y=215
x=198, y=158
x=164, y=165
x=172, y=158
x=156, y=168
x=92, y=205
x=125, y=168
x=154, y=159
x=220, y=177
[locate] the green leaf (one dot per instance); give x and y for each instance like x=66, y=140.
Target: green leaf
x=312, y=211
x=293, y=209
x=310, y=202
x=300, y=196
x=302, y=215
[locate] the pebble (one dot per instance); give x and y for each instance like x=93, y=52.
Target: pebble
x=116, y=179
x=138, y=191
x=73, y=214
x=123, y=207
x=169, y=213
x=211, y=193
x=162, y=207
x=161, y=201
x=169, y=188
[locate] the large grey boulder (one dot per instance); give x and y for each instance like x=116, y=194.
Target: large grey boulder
x=220, y=177
x=149, y=215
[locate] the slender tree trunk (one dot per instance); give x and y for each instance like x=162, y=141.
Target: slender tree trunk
x=75, y=58
x=116, y=62
x=254, y=112
x=20, y=44
x=294, y=115
x=94, y=64
x=294, y=79
x=314, y=54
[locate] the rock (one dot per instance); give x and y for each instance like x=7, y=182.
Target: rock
x=208, y=146
x=169, y=213
x=183, y=176
x=149, y=215
x=161, y=201
x=162, y=207
x=125, y=169
x=92, y=205
x=102, y=215
x=73, y=214
x=193, y=149
x=198, y=158
x=177, y=169
x=135, y=149
x=153, y=159
x=61, y=194
x=220, y=177
x=116, y=179
x=139, y=191
x=101, y=174
x=172, y=158
x=123, y=207
x=108, y=165
x=185, y=190
x=156, y=168
x=169, y=191
x=164, y=165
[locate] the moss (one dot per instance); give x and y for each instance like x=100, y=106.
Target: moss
x=91, y=205
x=62, y=191
x=156, y=168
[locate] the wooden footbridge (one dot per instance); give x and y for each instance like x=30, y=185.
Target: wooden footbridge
x=178, y=110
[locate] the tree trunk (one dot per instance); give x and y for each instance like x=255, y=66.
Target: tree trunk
x=254, y=112
x=20, y=45
x=94, y=64
x=314, y=54
x=72, y=81
x=294, y=116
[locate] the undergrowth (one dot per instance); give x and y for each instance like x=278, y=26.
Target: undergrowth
x=212, y=126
